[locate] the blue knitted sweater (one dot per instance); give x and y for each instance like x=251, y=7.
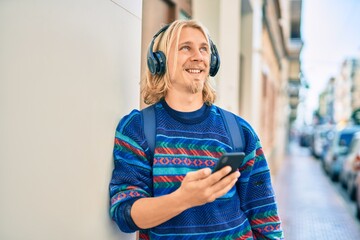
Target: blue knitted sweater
x=188, y=142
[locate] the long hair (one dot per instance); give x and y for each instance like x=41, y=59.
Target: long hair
x=155, y=87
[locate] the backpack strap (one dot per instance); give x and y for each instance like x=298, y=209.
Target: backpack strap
x=149, y=125
x=234, y=130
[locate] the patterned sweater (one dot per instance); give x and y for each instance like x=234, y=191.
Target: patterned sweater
x=188, y=142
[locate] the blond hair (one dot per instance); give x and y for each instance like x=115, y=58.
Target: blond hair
x=155, y=87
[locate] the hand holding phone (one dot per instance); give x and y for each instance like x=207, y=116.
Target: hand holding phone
x=232, y=159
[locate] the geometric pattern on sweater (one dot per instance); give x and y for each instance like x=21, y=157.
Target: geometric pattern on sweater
x=184, y=143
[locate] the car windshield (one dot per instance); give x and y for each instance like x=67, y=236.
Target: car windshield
x=345, y=140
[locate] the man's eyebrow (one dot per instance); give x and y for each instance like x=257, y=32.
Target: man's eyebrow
x=186, y=43
x=189, y=43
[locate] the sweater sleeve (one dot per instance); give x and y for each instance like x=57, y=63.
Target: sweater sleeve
x=131, y=177
x=256, y=192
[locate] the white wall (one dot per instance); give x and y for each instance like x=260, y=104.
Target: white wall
x=230, y=59
x=68, y=71
x=246, y=46
x=207, y=12
x=222, y=18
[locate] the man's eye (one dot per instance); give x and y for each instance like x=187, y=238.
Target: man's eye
x=204, y=49
x=185, y=48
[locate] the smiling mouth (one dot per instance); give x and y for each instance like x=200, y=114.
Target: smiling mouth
x=194, y=71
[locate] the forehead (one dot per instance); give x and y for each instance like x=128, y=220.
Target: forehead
x=191, y=34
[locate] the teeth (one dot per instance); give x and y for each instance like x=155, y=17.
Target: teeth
x=194, y=70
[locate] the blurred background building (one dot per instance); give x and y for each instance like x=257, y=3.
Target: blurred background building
x=339, y=102
x=69, y=70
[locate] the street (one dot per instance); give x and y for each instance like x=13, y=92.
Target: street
x=311, y=206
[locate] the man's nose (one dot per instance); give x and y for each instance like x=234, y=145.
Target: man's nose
x=197, y=56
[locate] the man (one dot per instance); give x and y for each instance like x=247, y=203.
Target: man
x=171, y=193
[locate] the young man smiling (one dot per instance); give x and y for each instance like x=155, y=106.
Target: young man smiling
x=170, y=192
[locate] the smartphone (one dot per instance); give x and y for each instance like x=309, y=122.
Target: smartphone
x=232, y=159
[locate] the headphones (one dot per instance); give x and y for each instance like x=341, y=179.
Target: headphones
x=156, y=61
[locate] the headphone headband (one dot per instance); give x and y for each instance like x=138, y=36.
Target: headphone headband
x=156, y=61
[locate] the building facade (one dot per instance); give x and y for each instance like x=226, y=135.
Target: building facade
x=339, y=102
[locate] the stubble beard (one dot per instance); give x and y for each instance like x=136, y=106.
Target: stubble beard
x=196, y=87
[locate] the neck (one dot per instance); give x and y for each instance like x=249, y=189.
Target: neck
x=184, y=103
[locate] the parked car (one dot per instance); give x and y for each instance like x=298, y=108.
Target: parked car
x=351, y=167
x=323, y=134
x=305, y=137
x=338, y=150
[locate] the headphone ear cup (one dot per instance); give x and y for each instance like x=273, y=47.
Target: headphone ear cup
x=161, y=62
x=152, y=64
x=214, y=64
x=156, y=61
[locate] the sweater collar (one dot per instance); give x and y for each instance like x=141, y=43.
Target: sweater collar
x=193, y=117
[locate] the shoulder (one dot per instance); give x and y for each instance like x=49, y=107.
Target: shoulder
x=134, y=119
x=130, y=130
x=130, y=120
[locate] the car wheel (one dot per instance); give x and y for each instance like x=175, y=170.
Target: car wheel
x=333, y=176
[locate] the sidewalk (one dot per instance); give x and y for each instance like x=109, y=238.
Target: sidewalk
x=310, y=206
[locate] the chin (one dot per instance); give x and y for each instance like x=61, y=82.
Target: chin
x=197, y=87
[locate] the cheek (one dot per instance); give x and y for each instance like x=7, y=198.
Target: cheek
x=171, y=67
x=176, y=67
x=207, y=61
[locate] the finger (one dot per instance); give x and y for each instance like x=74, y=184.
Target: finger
x=225, y=189
x=217, y=176
x=198, y=175
x=235, y=174
x=228, y=180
